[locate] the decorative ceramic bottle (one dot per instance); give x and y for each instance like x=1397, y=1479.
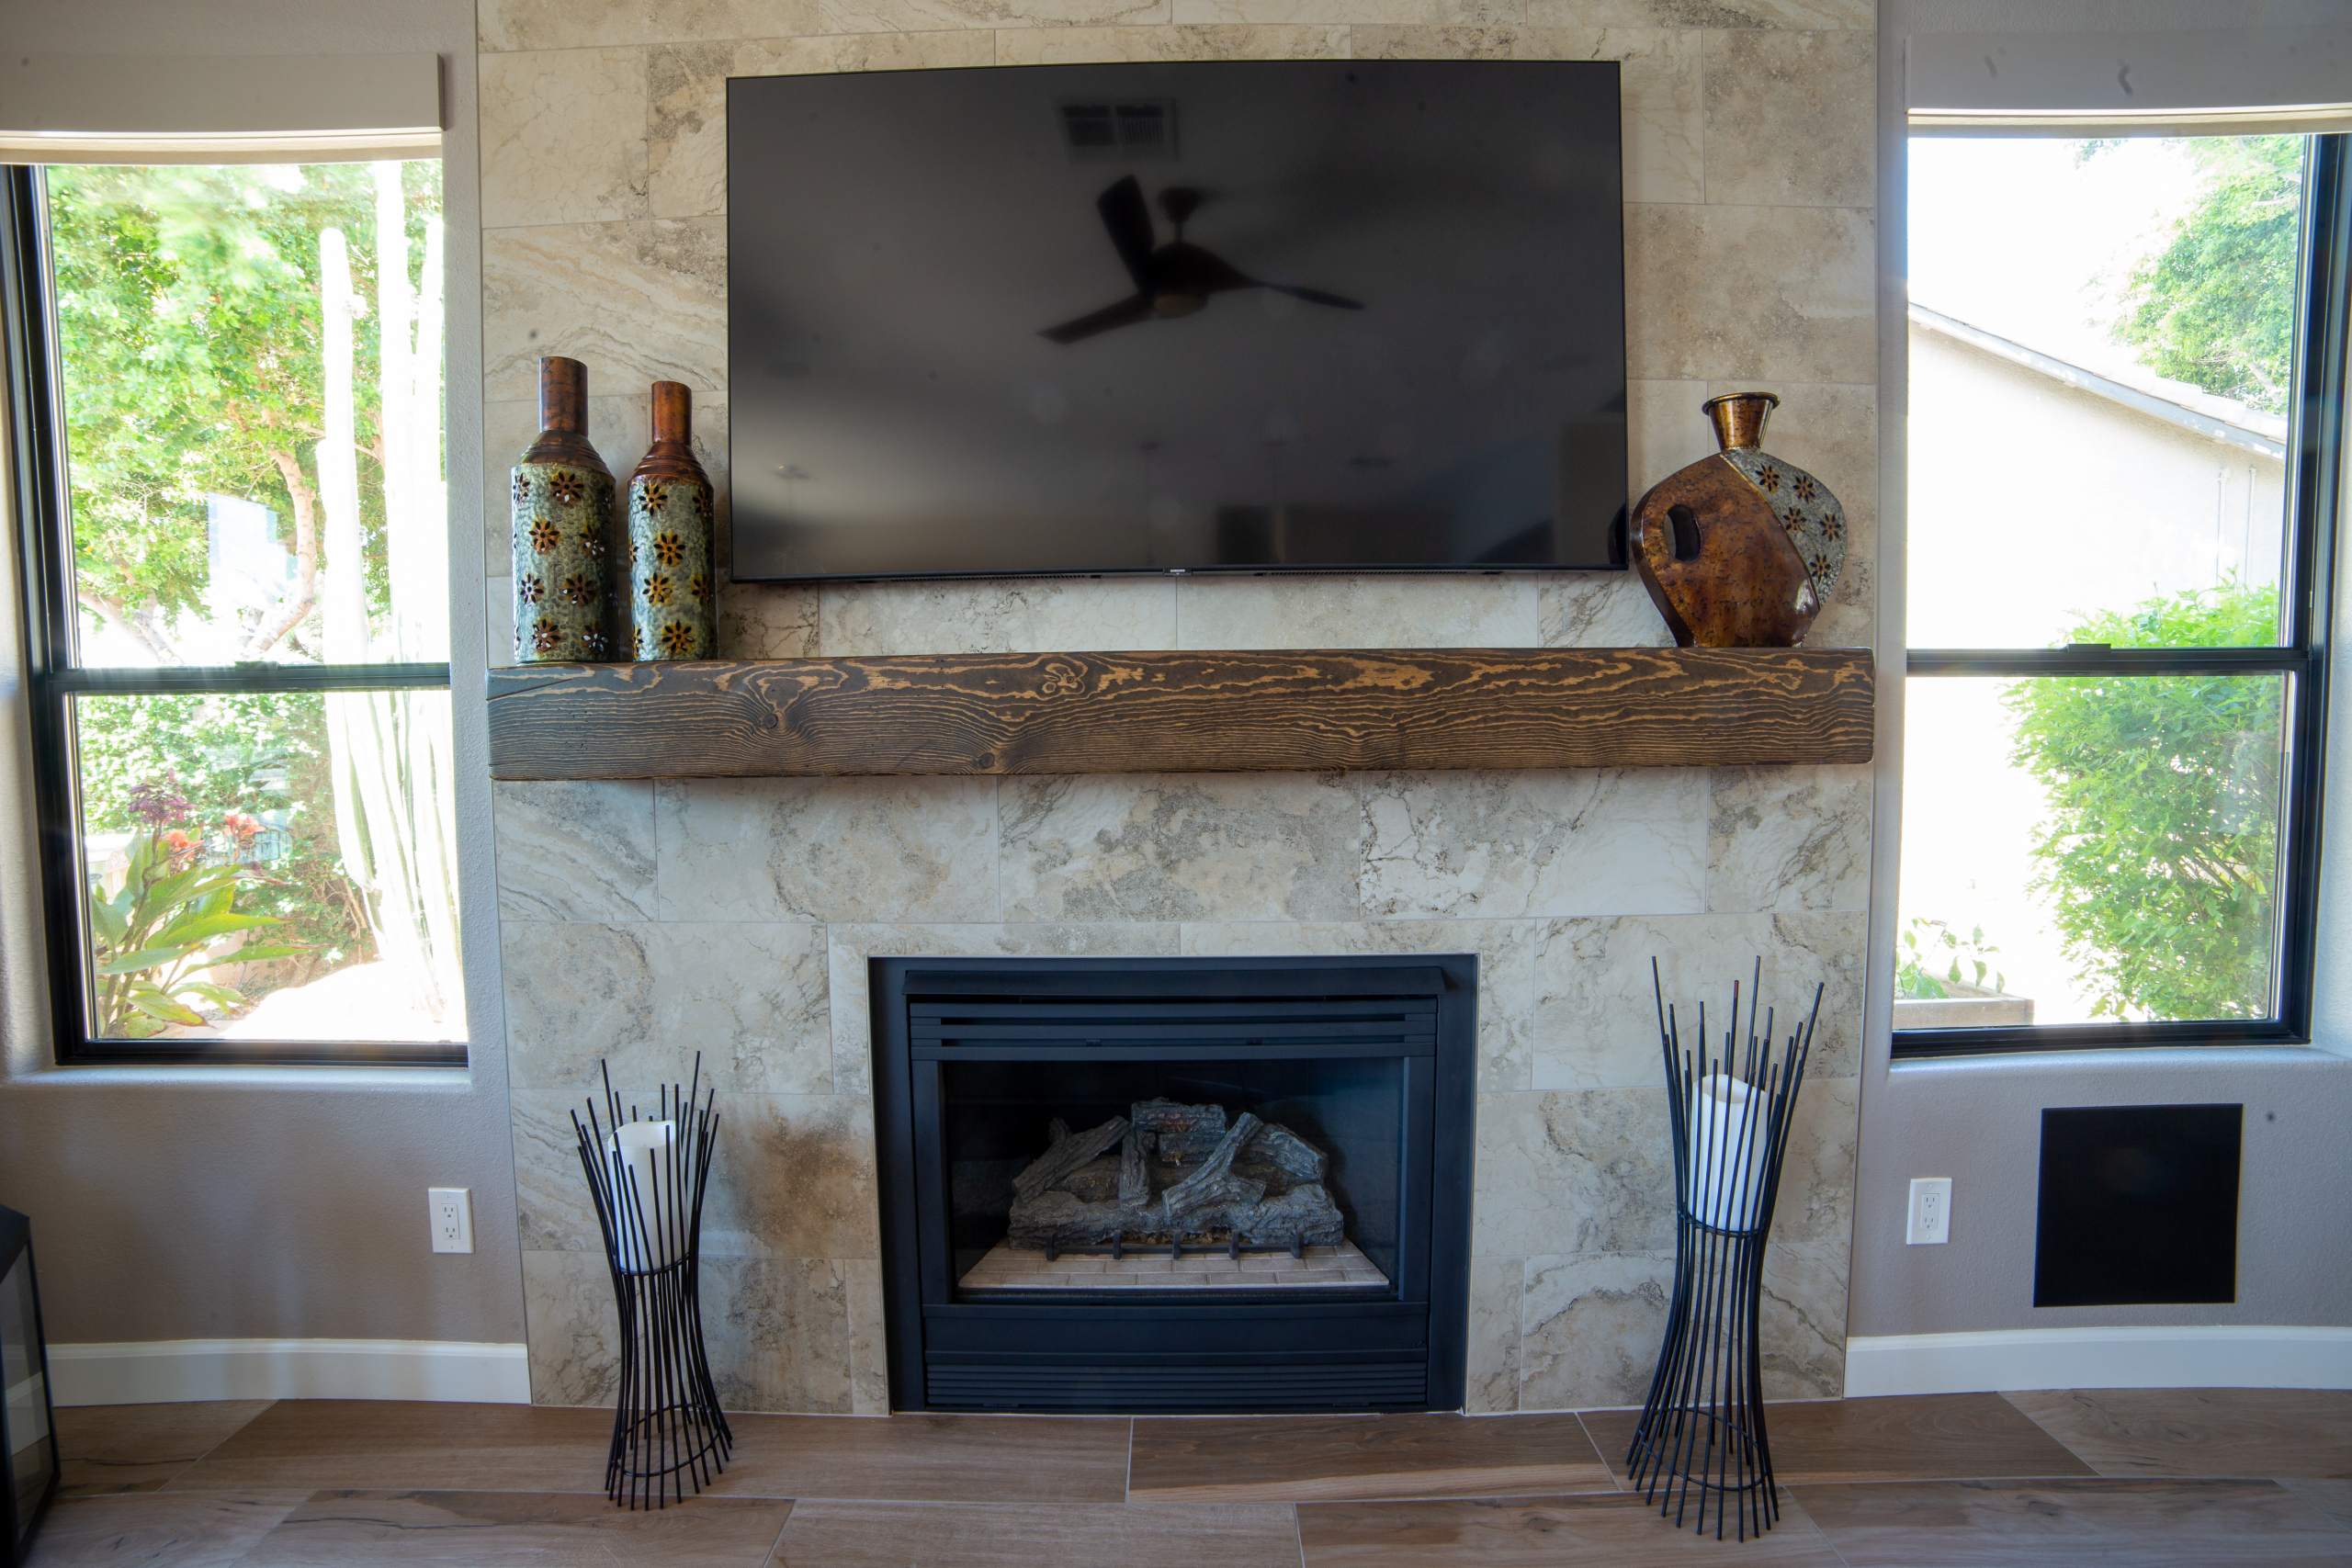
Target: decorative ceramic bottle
x=673, y=577
x=1739, y=549
x=563, y=528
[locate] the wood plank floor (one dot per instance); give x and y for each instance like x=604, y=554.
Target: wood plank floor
x=2215, y=1476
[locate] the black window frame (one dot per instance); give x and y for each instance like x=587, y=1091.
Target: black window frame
x=43, y=506
x=2316, y=478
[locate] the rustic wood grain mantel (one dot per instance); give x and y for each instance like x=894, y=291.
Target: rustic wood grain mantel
x=1258, y=711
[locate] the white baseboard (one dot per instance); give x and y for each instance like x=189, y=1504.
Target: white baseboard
x=2225, y=1356
x=169, y=1372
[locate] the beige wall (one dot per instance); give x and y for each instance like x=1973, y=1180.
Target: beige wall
x=642, y=922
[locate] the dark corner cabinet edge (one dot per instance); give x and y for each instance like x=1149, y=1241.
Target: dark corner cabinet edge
x=1255, y=711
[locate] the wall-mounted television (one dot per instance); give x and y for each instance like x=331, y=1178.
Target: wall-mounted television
x=1208, y=316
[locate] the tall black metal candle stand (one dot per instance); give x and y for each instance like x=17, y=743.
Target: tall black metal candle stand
x=1701, y=1433
x=667, y=1426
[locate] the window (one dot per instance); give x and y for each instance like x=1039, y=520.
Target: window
x=2125, y=432
x=226, y=425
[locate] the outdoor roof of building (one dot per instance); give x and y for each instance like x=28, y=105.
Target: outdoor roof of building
x=2176, y=402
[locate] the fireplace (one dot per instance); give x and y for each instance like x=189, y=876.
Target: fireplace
x=1176, y=1185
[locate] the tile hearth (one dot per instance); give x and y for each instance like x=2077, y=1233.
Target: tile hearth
x=1006, y=1268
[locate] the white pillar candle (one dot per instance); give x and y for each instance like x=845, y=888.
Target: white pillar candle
x=654, y=1232
x=1727, y=1128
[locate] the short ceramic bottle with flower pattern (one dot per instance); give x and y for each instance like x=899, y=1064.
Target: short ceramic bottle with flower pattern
x=563, y=525
x=673, y=576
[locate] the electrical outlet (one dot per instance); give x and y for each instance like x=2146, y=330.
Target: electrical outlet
x=453, y=1218
x=1931, y=1223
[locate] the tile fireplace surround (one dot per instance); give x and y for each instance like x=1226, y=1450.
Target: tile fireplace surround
x=643, y=921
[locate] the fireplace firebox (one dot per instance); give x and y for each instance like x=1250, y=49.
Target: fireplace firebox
x=1175, y=1185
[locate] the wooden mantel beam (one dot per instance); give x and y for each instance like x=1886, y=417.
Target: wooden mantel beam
x=1258, y=711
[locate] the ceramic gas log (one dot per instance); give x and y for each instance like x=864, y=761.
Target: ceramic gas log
x=1183, y=1177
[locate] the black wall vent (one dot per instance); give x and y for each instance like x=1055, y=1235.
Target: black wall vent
x=2138, y=1205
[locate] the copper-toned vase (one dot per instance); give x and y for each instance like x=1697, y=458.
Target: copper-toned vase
x=1739, y=549
x=563, y=529
x=672, y=572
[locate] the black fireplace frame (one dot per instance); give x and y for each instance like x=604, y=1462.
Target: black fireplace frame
x=1253, y=1355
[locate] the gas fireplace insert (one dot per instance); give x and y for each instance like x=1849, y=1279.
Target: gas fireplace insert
x=1228, y=1185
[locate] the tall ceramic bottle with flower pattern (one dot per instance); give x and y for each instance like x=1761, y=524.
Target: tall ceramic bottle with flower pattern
x=563, y=529
x=673, y=573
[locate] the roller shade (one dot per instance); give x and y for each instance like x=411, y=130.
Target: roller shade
x=278, y=108
x=2235, y=81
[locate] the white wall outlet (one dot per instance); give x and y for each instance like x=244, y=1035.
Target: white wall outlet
x=1931, y=1223
x=453, y=1218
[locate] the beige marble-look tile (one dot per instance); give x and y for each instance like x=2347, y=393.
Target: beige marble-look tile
x=563, y=137
x=850, y=982
x=637, y=302
x=749, y=997
x=574, y=850
x=1594, y=1323
x=1663, y=116
x=767, y=620
x=498, y=621
x=827, y=849
x=794, y=1176
x=1792, y=117
x=1486, y=845
x=1016, y=615
x=1748, y=291
x=570, y=1327
x=1505, y=949
x=1816, y=1202
x=1829, y=15
x=1421, y=13
x=1451, y=611
x=1665, y=430
x=1155, y=847
x=577, y=24
x=1498, y=1288
x=1085, y=46
x=1789, y=838
x=776, y=1328
x=924, y=15
x=791, y=1175
x=686, y=88
x=869, y=1351
x=1583, y=1171
x=778, y=1333
x=1594, y=609
x=184, y=1529
x=575, y=992
x=1596, y=1004
x=1801, y=1320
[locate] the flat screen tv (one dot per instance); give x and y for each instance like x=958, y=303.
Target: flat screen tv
x=1217, y=316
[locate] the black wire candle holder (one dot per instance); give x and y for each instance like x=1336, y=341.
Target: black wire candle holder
x=1701, y=1435
x=647, y=1176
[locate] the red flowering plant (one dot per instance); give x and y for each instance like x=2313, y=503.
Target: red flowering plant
x=148, y=940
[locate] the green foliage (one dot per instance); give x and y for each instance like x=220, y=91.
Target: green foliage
x=1930, y=943
x=2216, y=307
x=260, y=755
x=149, y=939
x=188, y=330
x=2160, y=850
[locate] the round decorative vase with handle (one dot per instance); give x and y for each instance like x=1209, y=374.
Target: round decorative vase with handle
x=563, y=529
x=673, y=573
x=1739, y=549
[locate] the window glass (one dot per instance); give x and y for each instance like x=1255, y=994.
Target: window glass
x=2100, y=339
x=2103, y=341
x=2088, y=850
x=269, y=866
x=251, y=358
